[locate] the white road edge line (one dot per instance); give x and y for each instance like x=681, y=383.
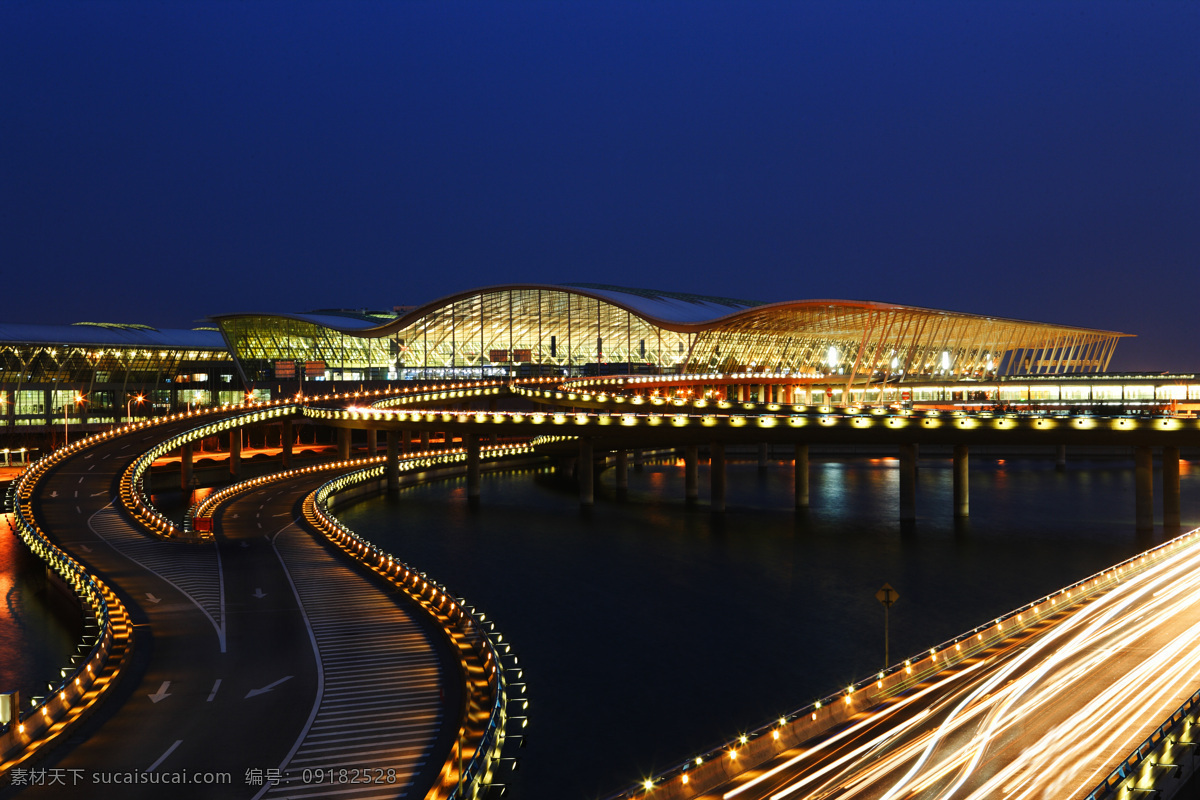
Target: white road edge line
x=163, y=757
x=220, y=629
x=312, y=638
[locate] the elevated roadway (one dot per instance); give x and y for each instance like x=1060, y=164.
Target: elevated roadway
x=1049, y=712
x=257, y=655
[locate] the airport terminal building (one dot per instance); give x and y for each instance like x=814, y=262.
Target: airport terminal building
x=96, y=374
x=588, y=329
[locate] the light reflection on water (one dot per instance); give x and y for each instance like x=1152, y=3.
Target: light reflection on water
x=38, y=627
x=650, y=631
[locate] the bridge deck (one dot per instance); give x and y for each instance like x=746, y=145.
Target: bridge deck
x=1047, y=714
x=382, y=671
x=249, y=657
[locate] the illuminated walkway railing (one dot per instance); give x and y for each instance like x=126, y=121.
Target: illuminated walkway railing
x=469, y=767
x=477, y=746
x=450, y=392
x=717, y=765
x=133, y=481
x=1157, y=759
x=91, y=676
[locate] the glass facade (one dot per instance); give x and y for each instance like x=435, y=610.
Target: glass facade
x=529, y=330
x=41, y=381
x=498, y=333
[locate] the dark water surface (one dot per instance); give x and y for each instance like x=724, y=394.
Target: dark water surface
x=39, y=625
x=650, y=631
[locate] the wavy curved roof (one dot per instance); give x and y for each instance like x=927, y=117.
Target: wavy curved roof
x=674, y=311
x=110, y=335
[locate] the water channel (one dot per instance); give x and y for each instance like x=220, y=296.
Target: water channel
x=650, y=631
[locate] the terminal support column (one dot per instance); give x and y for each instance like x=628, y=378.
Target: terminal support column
x=908, y=483
x=344, y=444
x=962, y=499
x=639, y=460
x=1144, y=487
x=717, y=476
x=372, y=442
x=472, y=443
x=622, y=470
x=235, y=451
x=691, y=458
x=584, y=470
x=1170, y=486
x=286, y=439
x=393, y=462
x=185, y=463
x=801, y=476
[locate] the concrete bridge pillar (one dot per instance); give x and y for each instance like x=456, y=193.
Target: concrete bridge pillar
x=691, y=458
x=472, y=443
x=287, y=437
x=717, y=476
x=235, y=451
x=1060, y=458
x=1170, y=485
x=639, y=461
x=584, y=471
x=622, y=470
x=403, y=443
x=1144, y=487
x=962, y=498
x=801, y=476
x=763, y=456
x=185, y=467
x=372, y=442
x=908, y=483
x=344, y=444
x=424, y=440
x=393, y=462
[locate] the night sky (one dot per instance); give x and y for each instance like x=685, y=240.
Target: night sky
x=165, y=161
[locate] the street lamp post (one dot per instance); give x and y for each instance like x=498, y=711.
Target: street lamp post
x=128, y=405
x=66, y=405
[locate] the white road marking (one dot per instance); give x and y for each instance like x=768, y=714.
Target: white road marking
x=163, y=757
x=213, y=694
x=267, y=688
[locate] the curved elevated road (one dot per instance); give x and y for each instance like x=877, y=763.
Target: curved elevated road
x=1047, y=714
x=254, y=657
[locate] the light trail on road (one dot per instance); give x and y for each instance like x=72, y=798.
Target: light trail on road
x=1045, y=714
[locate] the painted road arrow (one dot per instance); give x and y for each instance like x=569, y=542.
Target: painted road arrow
x=161, y=693
x=259, y=593
x=152, y=598
x=267, y=688
x=85, y=548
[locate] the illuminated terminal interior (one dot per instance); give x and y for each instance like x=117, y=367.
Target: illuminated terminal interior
x=97, y=374
x=587, y=329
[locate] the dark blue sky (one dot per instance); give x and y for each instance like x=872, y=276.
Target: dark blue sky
x=1041, y=160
